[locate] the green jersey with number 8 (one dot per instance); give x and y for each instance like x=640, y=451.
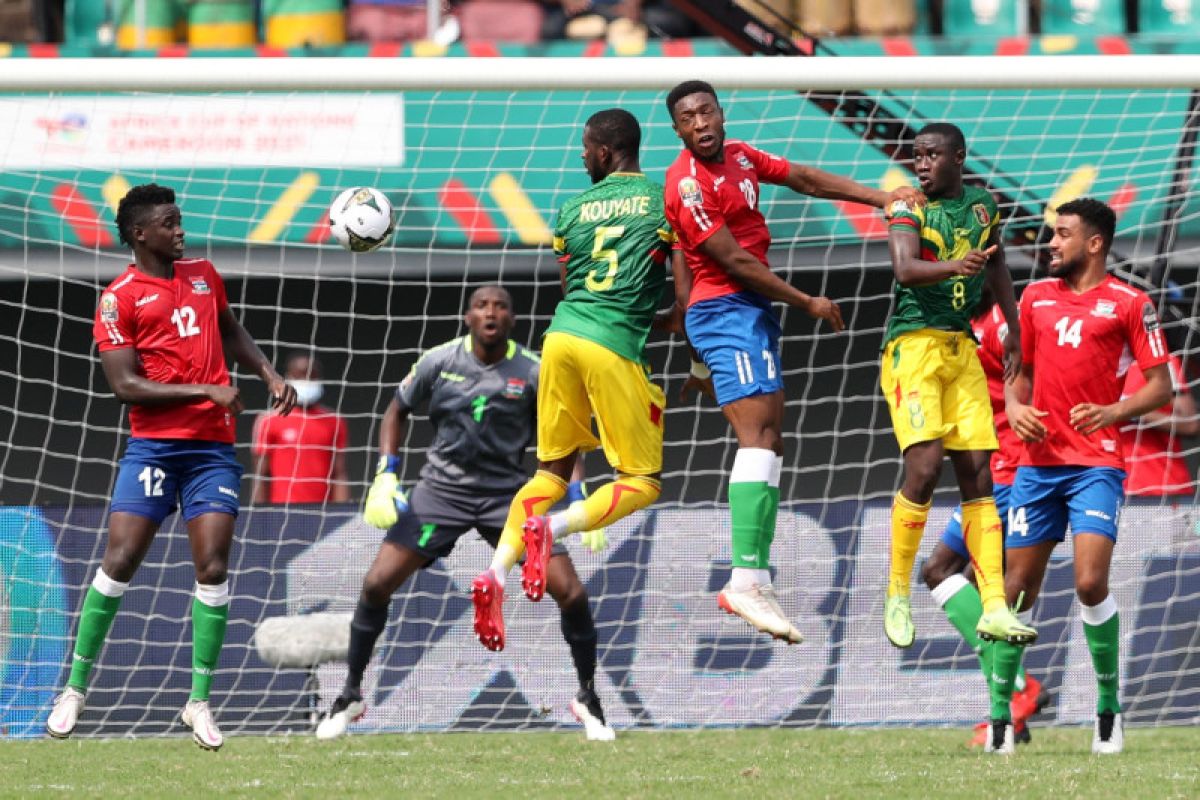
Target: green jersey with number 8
x=614, y=243
x=949, y=228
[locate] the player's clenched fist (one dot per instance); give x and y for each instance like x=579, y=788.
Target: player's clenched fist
x=385, y=501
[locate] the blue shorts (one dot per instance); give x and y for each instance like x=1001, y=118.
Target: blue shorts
x=737, y=336
x=952, y=537
x=1045, y=499
x=158, y=475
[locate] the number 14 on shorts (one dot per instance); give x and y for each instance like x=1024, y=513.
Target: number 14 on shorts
x=745, y=365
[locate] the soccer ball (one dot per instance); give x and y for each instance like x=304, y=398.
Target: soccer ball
x=361, y=219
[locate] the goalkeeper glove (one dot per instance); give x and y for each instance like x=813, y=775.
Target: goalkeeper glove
x=595, y=540
x=385, y=501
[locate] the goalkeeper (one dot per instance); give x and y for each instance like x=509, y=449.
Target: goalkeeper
x=482, y=391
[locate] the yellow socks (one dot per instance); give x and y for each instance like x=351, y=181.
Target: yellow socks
x=984, y=536
x=606, y=505
x=536, y=497
x=908, y=526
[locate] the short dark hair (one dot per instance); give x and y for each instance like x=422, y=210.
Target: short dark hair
x=1096, y=214
x=134, y=204
x=684, y=89
x=314, y=363
x=616, y=128
x=948, y=131
x=490, y=287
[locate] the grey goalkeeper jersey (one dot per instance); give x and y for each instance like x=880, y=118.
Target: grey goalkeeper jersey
x=482, y=415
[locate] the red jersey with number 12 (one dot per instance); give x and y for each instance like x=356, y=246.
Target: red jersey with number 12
x=1080, y=347
x=702, y=196
x=172, y=327
x=990, y=328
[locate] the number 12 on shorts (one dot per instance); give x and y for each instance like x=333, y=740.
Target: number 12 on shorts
x=745, y=365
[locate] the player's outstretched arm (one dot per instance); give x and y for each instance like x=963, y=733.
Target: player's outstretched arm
x=752, y=274
x=121, y=372
x=911, y=270
x=819, y=183
x=238, y=343
x=999, y=280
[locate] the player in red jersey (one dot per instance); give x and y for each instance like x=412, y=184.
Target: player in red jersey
x=163, y=328
x=301, y=457
x=711, y=198
x=1154, y=462
x=946, y=572
x=1079, y=328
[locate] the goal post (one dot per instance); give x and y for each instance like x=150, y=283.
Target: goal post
x=476, y=155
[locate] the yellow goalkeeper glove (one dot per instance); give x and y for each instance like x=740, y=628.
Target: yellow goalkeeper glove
x=385, y=501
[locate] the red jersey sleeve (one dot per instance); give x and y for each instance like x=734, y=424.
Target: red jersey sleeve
x=770, y=168
x=1028, y=333
x=113, y=326
x=1146, y=340
x=693, y=211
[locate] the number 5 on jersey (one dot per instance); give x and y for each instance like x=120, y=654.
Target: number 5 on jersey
x=606, y=254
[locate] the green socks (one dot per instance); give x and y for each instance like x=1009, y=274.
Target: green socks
x=210, y=613
x=1102, y=627
x=95, y=619
x=753, y=506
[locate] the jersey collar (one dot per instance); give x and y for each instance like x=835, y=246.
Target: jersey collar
x=469, y=346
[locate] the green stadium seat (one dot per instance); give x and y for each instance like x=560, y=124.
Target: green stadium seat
x=301, y=23
x=1083, y=17
x=221, y=23
x=985, y=17
x=1169, y=17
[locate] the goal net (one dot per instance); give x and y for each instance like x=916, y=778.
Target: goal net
x=476, y=156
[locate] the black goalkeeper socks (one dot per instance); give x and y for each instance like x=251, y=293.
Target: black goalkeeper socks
x=365, y=628
x=580, y=633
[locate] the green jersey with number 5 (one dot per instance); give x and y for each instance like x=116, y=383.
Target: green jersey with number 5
x=614, y=244
x=949, y=228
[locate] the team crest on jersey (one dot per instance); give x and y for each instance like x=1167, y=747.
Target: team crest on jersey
x=744, y=162
x=689, y=192
x=108, y=308
x=514, y=388
x=1105, y=309
x=199, y=286
x=981, y=214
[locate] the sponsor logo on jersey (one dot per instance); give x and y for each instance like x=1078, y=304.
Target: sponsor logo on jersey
x=150, y=298
x=1040, y=303
x=199, y=286
x=1109, y=445
x=453, y=377
x=689, y=192
x=108, y=308
x=1106, y=309
x=981, y=214
x=1092, y=512
x=225, y=490
x=717, y=182
x=744, y=162
x=1149, y=318
x=514, y=388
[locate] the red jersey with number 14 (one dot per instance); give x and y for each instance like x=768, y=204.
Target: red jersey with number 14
x=990, y=328
x=702, y=196
x=172, y=327
x=1080, y=347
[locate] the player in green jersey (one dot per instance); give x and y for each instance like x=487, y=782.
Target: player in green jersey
x=613, y=244
x=942, y=256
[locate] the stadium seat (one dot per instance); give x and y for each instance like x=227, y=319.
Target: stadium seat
x=303, y=23
x=1083, y=17
x=386, y=20
x=221, y=23
x=985, y=17
x=515, y=21
x=1169, y=17
x=825, y=17
x=884, y=17
x=164, y=22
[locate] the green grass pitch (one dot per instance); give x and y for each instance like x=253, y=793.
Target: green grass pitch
x=894, y=763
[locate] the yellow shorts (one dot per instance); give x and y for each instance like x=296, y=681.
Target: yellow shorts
x=580, y=379
x=935, y=389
